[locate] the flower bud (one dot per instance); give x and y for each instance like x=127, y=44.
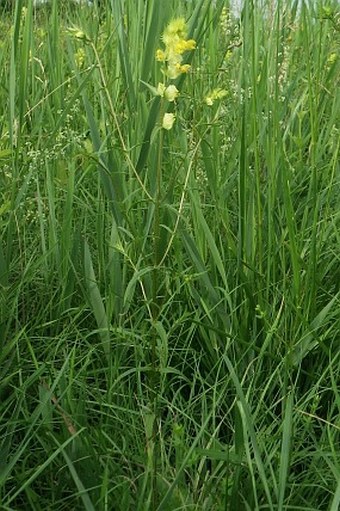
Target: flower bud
x=171, y=93
x=168, y=121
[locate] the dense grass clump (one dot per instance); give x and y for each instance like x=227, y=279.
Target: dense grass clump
x=169, y=256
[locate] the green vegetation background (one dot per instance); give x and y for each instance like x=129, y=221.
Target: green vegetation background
x=169, y=300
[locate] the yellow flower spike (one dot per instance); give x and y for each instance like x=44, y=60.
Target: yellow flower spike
x=168, y=121
x=175, y=42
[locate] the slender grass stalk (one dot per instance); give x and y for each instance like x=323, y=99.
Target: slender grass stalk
x=155, y=311
x=115, y=119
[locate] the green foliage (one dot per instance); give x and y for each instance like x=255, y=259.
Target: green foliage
x=169, y=300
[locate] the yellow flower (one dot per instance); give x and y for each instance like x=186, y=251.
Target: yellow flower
x=175, y=29
x=168, y=121
x=332, y=58
x=185, y=68
x=160, y=55
x=161, y=89
x=215, y=95
x=176, y=69
x=173, y=71
x=191, y=44
x=171, y=93
x=177, y=26
x=184, y=45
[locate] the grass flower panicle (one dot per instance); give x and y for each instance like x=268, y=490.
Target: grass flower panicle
x=78, y=33
x=79, y=57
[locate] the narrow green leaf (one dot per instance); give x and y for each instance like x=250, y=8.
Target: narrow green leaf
x=88, y=506
x=95, y=299
x=249, y=426
x=310, y=340
x=285, y=449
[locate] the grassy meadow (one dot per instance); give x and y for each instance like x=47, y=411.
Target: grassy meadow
x=169, y=256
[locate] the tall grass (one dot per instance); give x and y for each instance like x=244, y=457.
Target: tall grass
x=169, y=319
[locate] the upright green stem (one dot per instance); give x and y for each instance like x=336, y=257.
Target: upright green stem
x=156, y=226
x=155, y=310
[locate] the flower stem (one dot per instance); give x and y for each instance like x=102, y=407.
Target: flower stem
x=155, y=309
